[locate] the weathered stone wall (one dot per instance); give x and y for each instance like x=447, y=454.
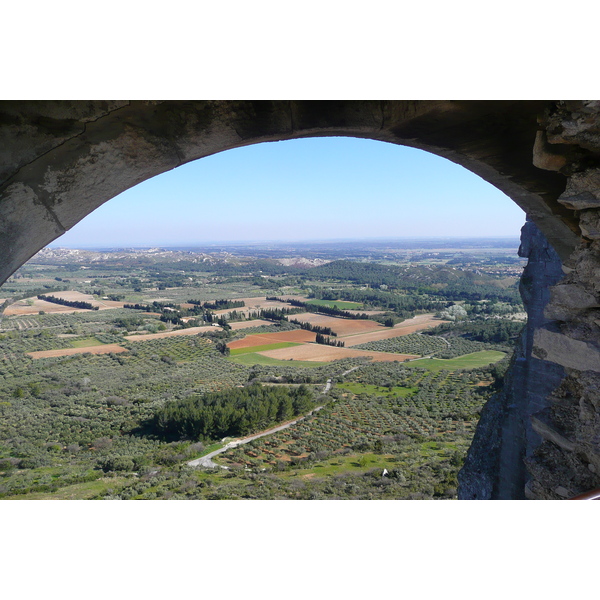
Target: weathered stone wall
x=548, y=417
x=568, y=461
x=495, y=464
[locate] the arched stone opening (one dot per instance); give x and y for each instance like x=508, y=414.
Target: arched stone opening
x=61, y=160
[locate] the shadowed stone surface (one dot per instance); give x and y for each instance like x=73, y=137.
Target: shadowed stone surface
x=495, y=468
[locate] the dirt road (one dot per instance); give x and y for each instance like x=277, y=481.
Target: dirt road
x=206, y=461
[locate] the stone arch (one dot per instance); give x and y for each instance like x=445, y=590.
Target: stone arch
x=60, y=160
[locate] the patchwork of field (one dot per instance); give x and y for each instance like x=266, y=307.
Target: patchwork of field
x=32, y=306
x=22, y=308
x=418, y=323
x=351, y=331
x=296, y=335
x=245, y=324
x=164, y=334
x=256, y=303
x=263, y=348
x=72, y=296
x=342, y=327
x=324, y=353
x=341, y=304
x=104, y=349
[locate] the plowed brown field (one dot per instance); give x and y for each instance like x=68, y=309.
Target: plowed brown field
x=68, y=351
x=323, y=353
x=22, y=307
x=418, y=323
x=80, y=297
x=297, y=335
x=164, y=334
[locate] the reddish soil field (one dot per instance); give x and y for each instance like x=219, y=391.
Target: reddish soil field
x=68, y=351
x=323, y=353
x=164, y=334
x=298, y=335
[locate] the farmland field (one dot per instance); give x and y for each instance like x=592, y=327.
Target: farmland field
x=246, y=324
x=23, y=308
x=336, y=304
x=418, y=323
x=262, y=348
x=320, y=352
x=253, y=305
x=167, y=334
x=86, y=342
x=342, y=327
x=103, y=349
x=252, y=359
x=83, y=390
x=468, y=361
x=258, y=339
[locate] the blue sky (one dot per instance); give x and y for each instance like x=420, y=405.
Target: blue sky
x=306, y=189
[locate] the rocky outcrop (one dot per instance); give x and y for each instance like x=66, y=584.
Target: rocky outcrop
x=495, y=464
x=553, y=387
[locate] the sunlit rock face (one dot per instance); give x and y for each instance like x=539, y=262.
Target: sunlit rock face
x=60, y=160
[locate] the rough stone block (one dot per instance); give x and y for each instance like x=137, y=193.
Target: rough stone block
x=550, y=433
x=567, y=300
x=589, y=224
x=563, y=492
x=558, y=348
x=583, y=190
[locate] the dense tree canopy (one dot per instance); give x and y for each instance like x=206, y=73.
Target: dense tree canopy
x=237, y=411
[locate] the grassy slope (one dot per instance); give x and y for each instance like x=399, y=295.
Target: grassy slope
x=468, y=361
x=251, y=349
x=364, y=388
x=342, y=305
x=85, y=343
x=257, y=359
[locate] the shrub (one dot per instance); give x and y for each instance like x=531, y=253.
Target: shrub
x=116, y=463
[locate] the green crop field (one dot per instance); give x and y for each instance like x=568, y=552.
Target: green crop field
x=264, y=348
x=362, y=388
x=252, y=359
x=341, y=304
x=85, y=342
x=468, y=361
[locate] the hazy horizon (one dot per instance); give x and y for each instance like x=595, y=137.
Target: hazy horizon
x=240, y=242
x=309, y=189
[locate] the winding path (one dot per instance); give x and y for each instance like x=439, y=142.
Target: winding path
x=206, y=461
